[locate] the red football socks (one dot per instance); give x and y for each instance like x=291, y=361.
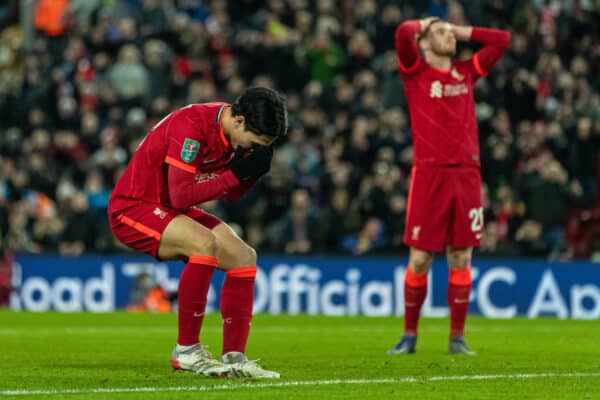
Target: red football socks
x=237, y=299
x=194, y=283
x=415, y=291
x=459, y=289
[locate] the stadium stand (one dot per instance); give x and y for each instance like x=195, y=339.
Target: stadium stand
x=99, y=74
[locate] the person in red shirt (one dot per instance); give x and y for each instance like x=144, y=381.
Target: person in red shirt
x=444, y=210
x=198, y=153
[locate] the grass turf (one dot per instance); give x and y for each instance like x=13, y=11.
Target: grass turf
x=107, y=356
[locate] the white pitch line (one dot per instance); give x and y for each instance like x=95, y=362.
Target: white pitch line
x=284, y=384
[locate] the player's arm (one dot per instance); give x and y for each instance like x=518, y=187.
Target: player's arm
x=406, y=42
x=185, y=190
x=240, y=191
x=495, y=42
x=184, y=143
x=261, y=159
x=406, y=45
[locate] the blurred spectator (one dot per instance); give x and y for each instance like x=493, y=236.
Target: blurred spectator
x=583, y=156
x=80, y=232
x=336, y=220
x=110, y=155
x=325, y=58
x=548, y=197
x=139, y=290
x=97, y=193
x=396, y=217
x=50, y=16
x=129, y=76
x=299, y=224
x=48, y=230
x=528, y=239
x=147, y=296
x=370, y=237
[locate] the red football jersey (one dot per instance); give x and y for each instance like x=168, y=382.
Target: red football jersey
x=189, y=139
x=442, y=114
x=441, y=104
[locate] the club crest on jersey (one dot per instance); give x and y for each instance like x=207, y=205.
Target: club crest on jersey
x=436, y=89
x=439, y=90
x=415, y=232
x=160, y=213
x=189, y=150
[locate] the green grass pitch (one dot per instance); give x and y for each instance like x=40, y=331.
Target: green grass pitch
x=121, y=355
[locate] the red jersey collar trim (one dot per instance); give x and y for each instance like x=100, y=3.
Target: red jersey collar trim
x=441, y=71
x=221, y=134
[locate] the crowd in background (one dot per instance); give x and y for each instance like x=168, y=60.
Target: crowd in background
x=100, y=73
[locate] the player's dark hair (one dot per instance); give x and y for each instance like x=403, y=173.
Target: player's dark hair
x=264, y=111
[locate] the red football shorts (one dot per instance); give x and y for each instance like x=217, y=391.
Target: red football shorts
x=444, y=208
x=140, y=225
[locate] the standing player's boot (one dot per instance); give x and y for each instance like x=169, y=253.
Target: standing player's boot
x=241, y=367
x=457, y=345
x=199, y=360
x=407, y=345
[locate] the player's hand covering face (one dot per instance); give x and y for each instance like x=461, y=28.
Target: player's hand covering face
x=248, y=140
x=253, y=165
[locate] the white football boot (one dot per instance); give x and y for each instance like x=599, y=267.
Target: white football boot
x=199, y=360
x=241, y=367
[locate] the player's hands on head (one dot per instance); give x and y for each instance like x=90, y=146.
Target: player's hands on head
x=253, y=165
x=425, y=22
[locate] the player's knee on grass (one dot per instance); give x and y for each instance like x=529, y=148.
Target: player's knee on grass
x=420, y=261
x=459, y=258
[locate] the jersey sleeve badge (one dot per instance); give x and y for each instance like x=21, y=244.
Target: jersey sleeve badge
x=189, y=150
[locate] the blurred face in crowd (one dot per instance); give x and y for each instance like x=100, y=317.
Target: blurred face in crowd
x=340, y=200
x=79, y=202
x=439, y=40
x=372, y=228
x=584, y=128
x=554, y=172
x=300, y=204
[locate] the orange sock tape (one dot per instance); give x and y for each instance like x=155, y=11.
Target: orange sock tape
x=461, y=277
x=413, y=279
x=203, y=260
x=242, y=272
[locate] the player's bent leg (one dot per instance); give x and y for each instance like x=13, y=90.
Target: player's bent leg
x=237, y=298
x=185, y=239
x=459, y=290
x=415, y=291
x=233, y=252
